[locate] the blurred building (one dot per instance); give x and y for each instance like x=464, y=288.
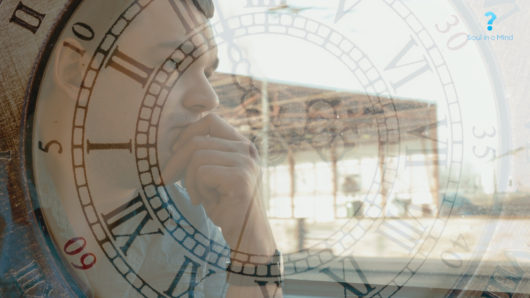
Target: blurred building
x=314, y=142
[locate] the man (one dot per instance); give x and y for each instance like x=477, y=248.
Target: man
x=219, y=166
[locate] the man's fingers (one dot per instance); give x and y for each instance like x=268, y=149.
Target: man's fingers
x=173, y=169
x=211, y=125
x=214, y=158
x=212, y=188
x=211, y=143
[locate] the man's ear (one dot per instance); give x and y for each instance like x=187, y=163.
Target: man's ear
x=69, y=67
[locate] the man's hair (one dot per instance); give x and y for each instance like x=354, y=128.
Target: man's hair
x=205, y=6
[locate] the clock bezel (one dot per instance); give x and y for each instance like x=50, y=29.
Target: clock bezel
x=53, y=259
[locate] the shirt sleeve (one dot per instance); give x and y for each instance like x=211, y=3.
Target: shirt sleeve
x=213, y=283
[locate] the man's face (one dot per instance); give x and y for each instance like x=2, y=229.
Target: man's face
x=189, y=100
x=192, y=97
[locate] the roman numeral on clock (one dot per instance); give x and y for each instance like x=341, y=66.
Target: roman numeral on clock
x=350, y=270
x=438, y=147
x=185, y=15
x=407, y=69
x=27, y=18
x=129, y=67
x=108, y=146
x=131, y=214
x=507, y=278
x=265, y=291
x=405, y=233
x=31, y=281
x=342, y=10
x=192, y=280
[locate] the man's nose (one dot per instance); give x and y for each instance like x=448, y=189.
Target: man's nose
x=199, y=96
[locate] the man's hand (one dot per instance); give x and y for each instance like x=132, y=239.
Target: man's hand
x=221, y=171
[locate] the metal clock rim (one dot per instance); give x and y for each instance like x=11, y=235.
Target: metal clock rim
x=26, y=174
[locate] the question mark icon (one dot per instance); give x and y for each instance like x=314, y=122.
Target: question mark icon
x=492, y=18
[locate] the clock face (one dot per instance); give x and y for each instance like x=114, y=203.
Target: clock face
x=364, y=132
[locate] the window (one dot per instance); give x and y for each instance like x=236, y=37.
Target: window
x=383, y=173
